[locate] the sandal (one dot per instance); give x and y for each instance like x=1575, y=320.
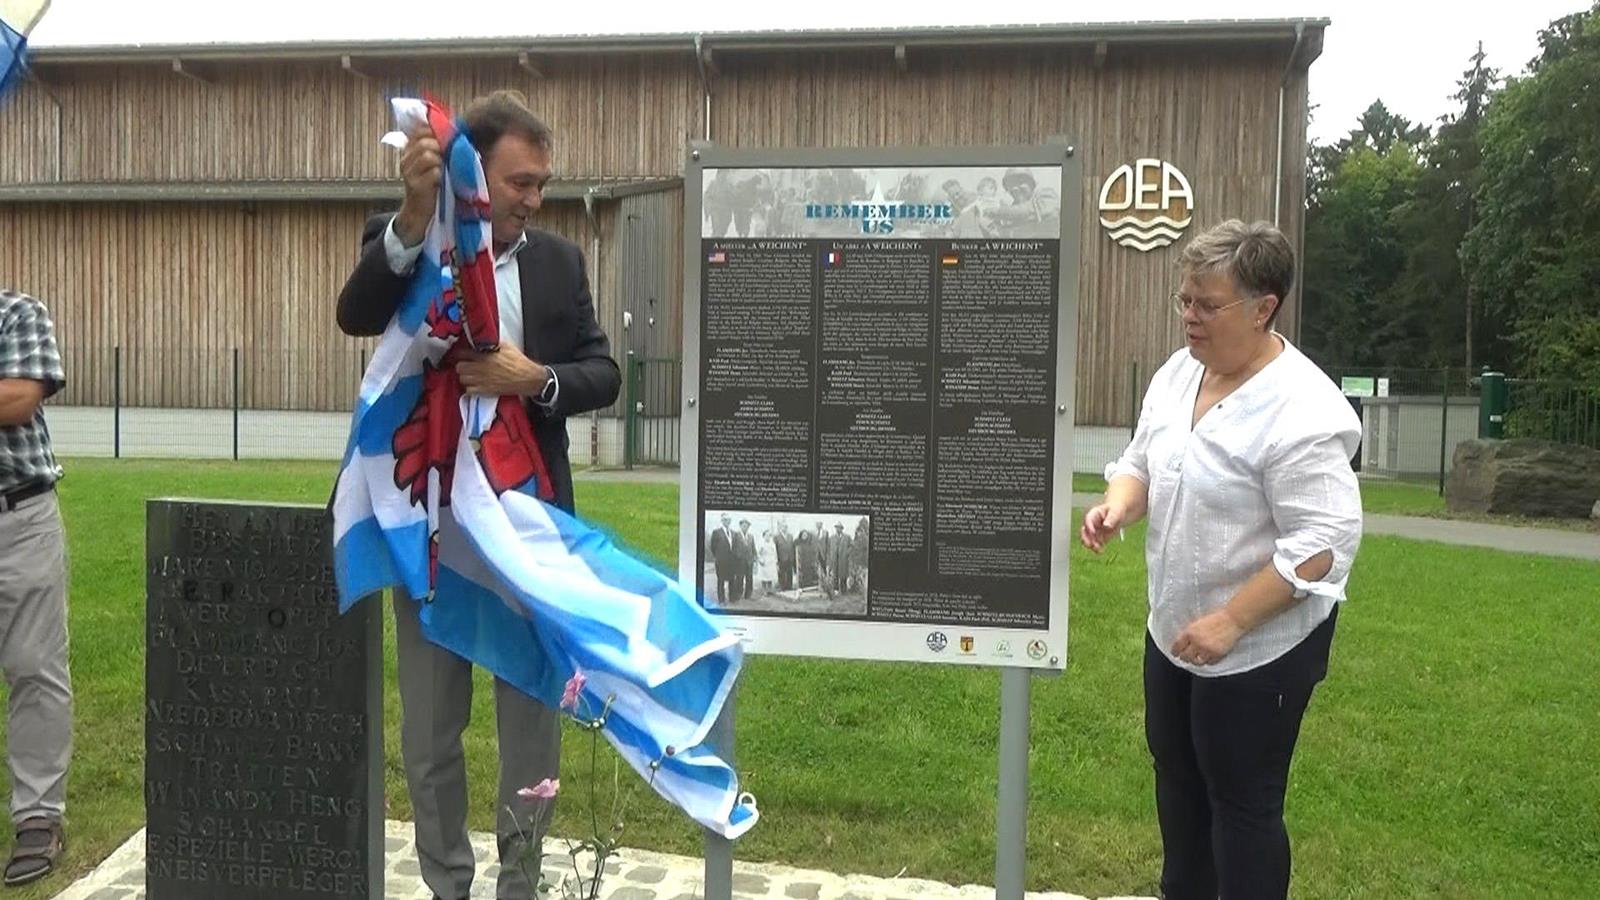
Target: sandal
x=40, y=842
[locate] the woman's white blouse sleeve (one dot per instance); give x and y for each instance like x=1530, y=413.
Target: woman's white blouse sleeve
x=1316, y=503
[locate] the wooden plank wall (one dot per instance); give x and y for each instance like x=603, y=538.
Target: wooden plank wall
x=177, y=287
x=612, y=116
x=172, y=275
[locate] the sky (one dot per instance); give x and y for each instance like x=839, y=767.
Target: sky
x=1409, y=54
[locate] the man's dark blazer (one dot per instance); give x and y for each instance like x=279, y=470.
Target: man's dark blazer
x=722, y=551
x=558, y=325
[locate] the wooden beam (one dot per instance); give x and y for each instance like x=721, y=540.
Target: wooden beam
x=900, y=56
x=526, y=64
x=710, y=62
x=1099, y=54
x=349, y=67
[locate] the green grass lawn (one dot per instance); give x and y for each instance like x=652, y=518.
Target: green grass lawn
x=1450, y=754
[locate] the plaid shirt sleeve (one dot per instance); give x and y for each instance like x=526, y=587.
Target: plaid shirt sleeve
x=28, y=343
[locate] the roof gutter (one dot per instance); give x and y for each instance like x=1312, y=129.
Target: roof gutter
x=1283, y=85
x=705, y=83
x=733, y=41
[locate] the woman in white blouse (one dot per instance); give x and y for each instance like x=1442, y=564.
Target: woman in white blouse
x=1241, y=461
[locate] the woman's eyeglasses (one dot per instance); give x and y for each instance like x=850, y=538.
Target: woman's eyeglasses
x=1181, y=304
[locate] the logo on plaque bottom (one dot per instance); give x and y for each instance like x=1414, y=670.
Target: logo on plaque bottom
x=1003, y=648
x=1037, y=649
x=966, y=643
x=937, y=642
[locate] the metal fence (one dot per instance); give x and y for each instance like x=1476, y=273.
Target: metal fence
x=1561, y=411
x=255, y=403
x=235, y=403
x=1412, y=419
x=652, y=402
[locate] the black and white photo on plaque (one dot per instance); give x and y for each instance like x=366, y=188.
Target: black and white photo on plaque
x=786, y=562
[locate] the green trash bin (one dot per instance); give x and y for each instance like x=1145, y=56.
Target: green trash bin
x=1492, y=402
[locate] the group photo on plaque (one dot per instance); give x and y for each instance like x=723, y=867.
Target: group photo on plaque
x=787, y=562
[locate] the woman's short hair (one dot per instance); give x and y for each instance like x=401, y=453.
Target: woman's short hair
x=1256, y=256
x=492, y=117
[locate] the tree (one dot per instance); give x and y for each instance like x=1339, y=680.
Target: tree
x=1354, y=248
x=1377, y=128
x=1432, y=291
x=1533, y=252
x=1354, y=253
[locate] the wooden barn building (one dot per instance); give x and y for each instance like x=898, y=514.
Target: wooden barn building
x=189, y=212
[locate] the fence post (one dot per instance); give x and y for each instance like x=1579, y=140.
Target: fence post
x=116, y=402
x=1492, y=405
x=236, y=404
x=1444, y=426
x=629, y=418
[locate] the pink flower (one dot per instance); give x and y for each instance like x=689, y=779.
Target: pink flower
x=569, y=697
x=544, y=790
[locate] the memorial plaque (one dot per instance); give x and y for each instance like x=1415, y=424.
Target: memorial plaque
x=263, y=709
x=879, y=360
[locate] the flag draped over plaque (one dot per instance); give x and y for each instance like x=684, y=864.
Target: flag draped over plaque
x=443, y=494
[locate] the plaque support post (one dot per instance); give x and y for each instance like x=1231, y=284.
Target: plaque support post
x=718, y=849
x=1011, y=815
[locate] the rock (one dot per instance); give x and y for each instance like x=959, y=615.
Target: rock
x=1524, y=478
x=1595, y=513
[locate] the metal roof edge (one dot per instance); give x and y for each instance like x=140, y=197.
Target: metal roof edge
x=1154, y=32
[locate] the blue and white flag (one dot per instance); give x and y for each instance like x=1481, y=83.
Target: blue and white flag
x=439, y=494
x=17, y=18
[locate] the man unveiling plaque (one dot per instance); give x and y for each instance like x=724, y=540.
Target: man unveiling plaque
x=263, y=710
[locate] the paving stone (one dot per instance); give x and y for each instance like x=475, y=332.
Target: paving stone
x=647, y=875
x=557, y=861
x=630, y=875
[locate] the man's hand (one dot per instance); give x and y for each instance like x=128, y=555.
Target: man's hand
x=501, y=372
x=1208, y=638
x=421, y=168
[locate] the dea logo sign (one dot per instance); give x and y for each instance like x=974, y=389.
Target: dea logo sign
x=1146, y=205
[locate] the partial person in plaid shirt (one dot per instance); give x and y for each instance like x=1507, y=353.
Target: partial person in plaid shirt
x=33, y=590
